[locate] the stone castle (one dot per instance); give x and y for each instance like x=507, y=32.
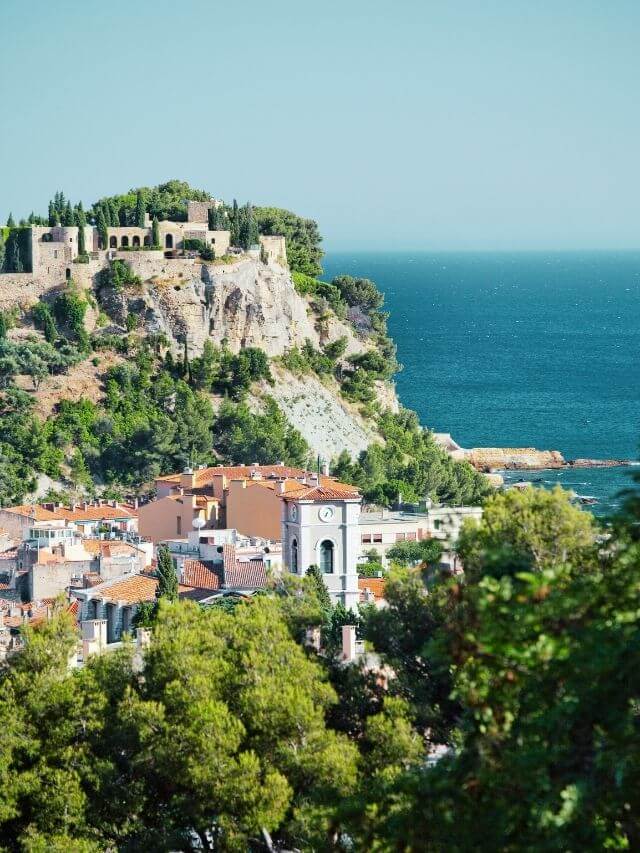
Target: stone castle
x=54, y=255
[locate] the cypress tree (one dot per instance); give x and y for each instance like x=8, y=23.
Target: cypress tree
x=315, y=575
x=2, y=250
x=186, y=367
x=155, y=232
x=81, y=221
x=11, y=221
x=115, y=219
x=167, y=575
x=140, y=210
x=101, y=225
x=53, y=215
x=67, y=217
x=3, y=326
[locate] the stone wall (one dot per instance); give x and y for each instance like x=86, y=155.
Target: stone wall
x=20, y=290
x=274, y=249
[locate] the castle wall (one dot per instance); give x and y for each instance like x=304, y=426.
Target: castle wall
x=275, y=250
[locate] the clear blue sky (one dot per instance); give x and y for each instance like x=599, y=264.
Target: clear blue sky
x=414, y=124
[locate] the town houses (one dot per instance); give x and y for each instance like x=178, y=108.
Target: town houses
x=230, y=531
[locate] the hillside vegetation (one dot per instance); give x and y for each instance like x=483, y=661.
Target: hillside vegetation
x=178, y=388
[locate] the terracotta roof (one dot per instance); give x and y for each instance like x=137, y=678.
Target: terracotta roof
x=203, y=476
x=332, y=491
x=200, y=574
x=33, y=511
x=132, y=589
x=374, y=585
x=108, y=547
x=91, y=513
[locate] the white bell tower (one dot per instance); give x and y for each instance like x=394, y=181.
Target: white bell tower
x=320, y=528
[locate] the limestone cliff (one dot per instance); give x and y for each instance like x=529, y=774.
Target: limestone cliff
x=240, y=303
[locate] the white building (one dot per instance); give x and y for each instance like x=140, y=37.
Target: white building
x=320, y=527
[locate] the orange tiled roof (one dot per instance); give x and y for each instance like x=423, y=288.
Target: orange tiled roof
x=132, y=589
x=107, y=547
x=34, y=511
x=200, y=574
x=91, y=513
x=204, y=476
x=330, y=491
x=375, y=585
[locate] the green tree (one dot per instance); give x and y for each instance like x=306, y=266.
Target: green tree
x=81, y=221
x=155, y=232
x=67, y=216
x=140, y=210
x=11, y=221
x=167, y=575
x=314, y=575
x=411, y=553
x=43, y=319
x=101, y=225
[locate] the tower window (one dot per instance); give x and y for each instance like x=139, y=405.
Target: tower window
x=326, y=557
x=294, y=556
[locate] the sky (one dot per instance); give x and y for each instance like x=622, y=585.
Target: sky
x=459, y=124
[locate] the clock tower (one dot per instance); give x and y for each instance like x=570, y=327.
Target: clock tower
x=320, y=527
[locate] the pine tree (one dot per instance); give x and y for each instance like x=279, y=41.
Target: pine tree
x=101, y=225
x=81, y=221
x=155, y=232
x=167, y=575
x=11, y=221
x=140, y=210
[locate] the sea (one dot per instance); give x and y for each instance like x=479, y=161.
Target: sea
x=527, y=349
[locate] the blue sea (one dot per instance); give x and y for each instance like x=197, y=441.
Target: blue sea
x=519, y=350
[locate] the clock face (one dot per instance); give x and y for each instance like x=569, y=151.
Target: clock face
x=293, y=512
x=325, y=513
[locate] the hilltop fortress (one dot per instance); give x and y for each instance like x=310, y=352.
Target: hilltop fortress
x=53, y=256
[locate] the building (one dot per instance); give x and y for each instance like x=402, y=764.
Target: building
x=380, y=531
x=210, y=544
x=320, y=527
x=52, y=250
x=244, y=497
x=89, y=519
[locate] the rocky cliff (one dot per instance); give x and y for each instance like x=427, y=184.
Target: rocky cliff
x=240, y=303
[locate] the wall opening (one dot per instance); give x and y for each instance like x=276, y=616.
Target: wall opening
x=147, y=241
x=294, y=556
x=135, y=241
x=326, y=557
x=168, y=241
x=125, y=241
x=113, y=242
x=67, y=273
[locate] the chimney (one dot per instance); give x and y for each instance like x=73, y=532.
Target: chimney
x=281, y=487
x=187, y=479
x=85, y=505
x=348, y=643
x=325, y=468
x=136, y=503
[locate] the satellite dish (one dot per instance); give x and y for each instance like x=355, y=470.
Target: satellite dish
x=199, y=523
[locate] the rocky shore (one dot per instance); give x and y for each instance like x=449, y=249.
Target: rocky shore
x=489, y=459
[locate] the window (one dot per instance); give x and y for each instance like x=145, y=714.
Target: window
x=168, y=241
x=294, y=556
x=365, y=538
x=135, y=241
x=400, y=537
x=125, y=241
x=179, y=525
x=437, y=524
x=113, y=242
x=377, y=537
x=412, y=537
x=326, y=557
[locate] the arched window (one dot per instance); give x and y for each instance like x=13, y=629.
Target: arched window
x=147, y=240
x=168, y=241
x=67, y=273
x=135, y=241
x=294, y=556
x=113, y=242
x=326, y=557
x=125, y=241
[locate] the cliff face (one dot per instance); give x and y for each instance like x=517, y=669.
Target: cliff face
x=506, y=458
x=245, y=303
